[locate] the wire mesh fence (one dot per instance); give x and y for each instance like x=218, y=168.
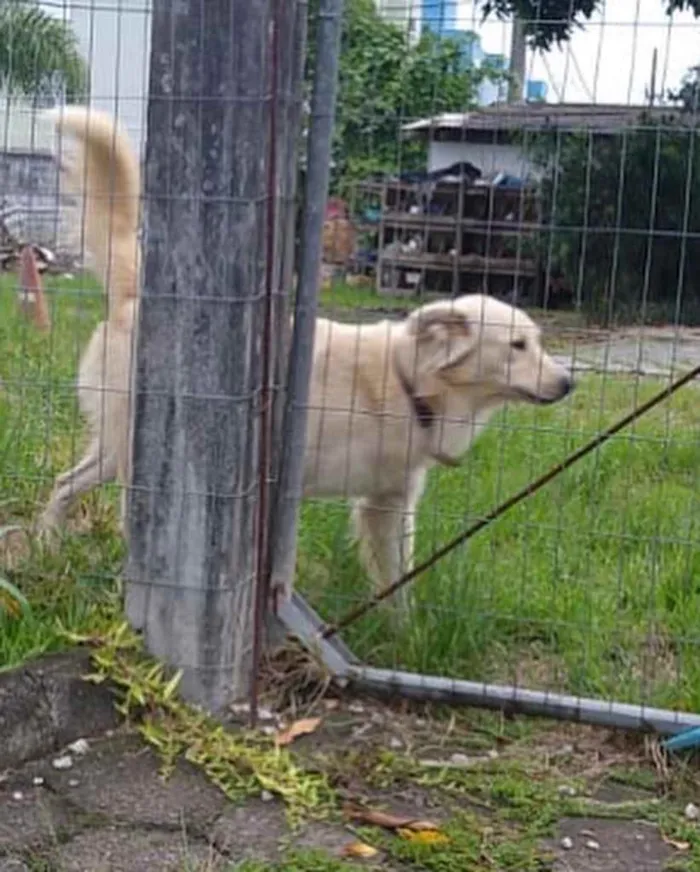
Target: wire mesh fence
x=469, y=156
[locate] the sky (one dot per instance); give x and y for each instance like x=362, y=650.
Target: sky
x=610, y=60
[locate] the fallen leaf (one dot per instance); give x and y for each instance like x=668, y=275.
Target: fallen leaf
x=421, y=826
x=359, y=849
x=423, y=837
x=679, y=846
x=386, y=820
x=298, y=728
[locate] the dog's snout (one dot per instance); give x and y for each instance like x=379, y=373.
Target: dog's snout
x=566, y=385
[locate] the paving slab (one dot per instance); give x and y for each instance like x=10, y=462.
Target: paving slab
x=46, y=704
x=609, y=846
x=13, y=864
x=121, y=777
x=251, y=831
x=32, y=816
x=123, y=850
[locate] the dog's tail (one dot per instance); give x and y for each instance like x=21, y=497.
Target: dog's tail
x=105, y=178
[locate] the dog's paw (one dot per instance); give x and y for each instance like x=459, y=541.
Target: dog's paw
x=47, y=529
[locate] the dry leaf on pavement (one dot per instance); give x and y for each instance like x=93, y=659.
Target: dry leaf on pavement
x=679, y=846
x=423, y=837
x=387, y=821
x=298, y=728
x=360, y=850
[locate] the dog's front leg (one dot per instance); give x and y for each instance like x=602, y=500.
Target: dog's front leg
x=385, y=529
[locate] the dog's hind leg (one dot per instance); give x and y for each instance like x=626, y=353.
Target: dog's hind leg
x=94, y=469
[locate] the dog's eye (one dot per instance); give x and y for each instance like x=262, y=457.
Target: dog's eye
x=519, y=344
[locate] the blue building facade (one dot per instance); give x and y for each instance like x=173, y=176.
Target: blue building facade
x=441, y=18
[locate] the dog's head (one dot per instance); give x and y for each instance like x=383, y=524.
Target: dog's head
x=480, y=343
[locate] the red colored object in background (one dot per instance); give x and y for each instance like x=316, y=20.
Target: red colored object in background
x=336, y=208
x=32, y=299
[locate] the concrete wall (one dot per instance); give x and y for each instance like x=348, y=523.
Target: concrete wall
x=31, y=206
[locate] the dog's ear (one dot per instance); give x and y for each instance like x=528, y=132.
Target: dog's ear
x=438, y=337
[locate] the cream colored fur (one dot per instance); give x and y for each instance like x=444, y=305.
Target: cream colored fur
x=106, y=179
x=461, y=359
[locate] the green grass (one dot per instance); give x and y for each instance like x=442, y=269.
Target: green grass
x=41, y=435
x=343, y=297
x=590, y=587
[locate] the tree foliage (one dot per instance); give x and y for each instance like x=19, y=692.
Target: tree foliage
x=38, y=52
x=550, y=22
x=386, y=81
x=688, y=95
x=624, y=219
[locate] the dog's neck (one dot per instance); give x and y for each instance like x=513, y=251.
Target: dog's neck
x=449, y=426
x=427, y=417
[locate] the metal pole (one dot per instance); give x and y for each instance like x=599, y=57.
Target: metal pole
x=517, y=61
x=519, y=700
x=290, y=485
x=199, y=368
x=652, y=83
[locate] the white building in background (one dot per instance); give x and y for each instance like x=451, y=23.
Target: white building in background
x=406, y=14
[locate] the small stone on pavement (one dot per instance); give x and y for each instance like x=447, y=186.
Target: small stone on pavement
x=80, y=747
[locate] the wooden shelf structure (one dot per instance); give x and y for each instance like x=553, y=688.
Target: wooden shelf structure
x=454, y=237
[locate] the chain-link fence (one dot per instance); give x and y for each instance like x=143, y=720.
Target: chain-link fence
x=571, y=195
x=550, y=167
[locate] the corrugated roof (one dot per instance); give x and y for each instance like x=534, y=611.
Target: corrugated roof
x=505, y=118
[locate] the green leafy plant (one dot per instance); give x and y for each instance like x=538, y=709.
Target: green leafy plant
x=386, y=80
x=550, y=22
x=38, y=50
x=622, y=215
x=240, y=763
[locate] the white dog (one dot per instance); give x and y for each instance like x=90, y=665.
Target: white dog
x=388, y=400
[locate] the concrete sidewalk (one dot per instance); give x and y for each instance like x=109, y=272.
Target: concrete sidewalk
x=110, y=811
x=654, y=351
x=101, y=805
